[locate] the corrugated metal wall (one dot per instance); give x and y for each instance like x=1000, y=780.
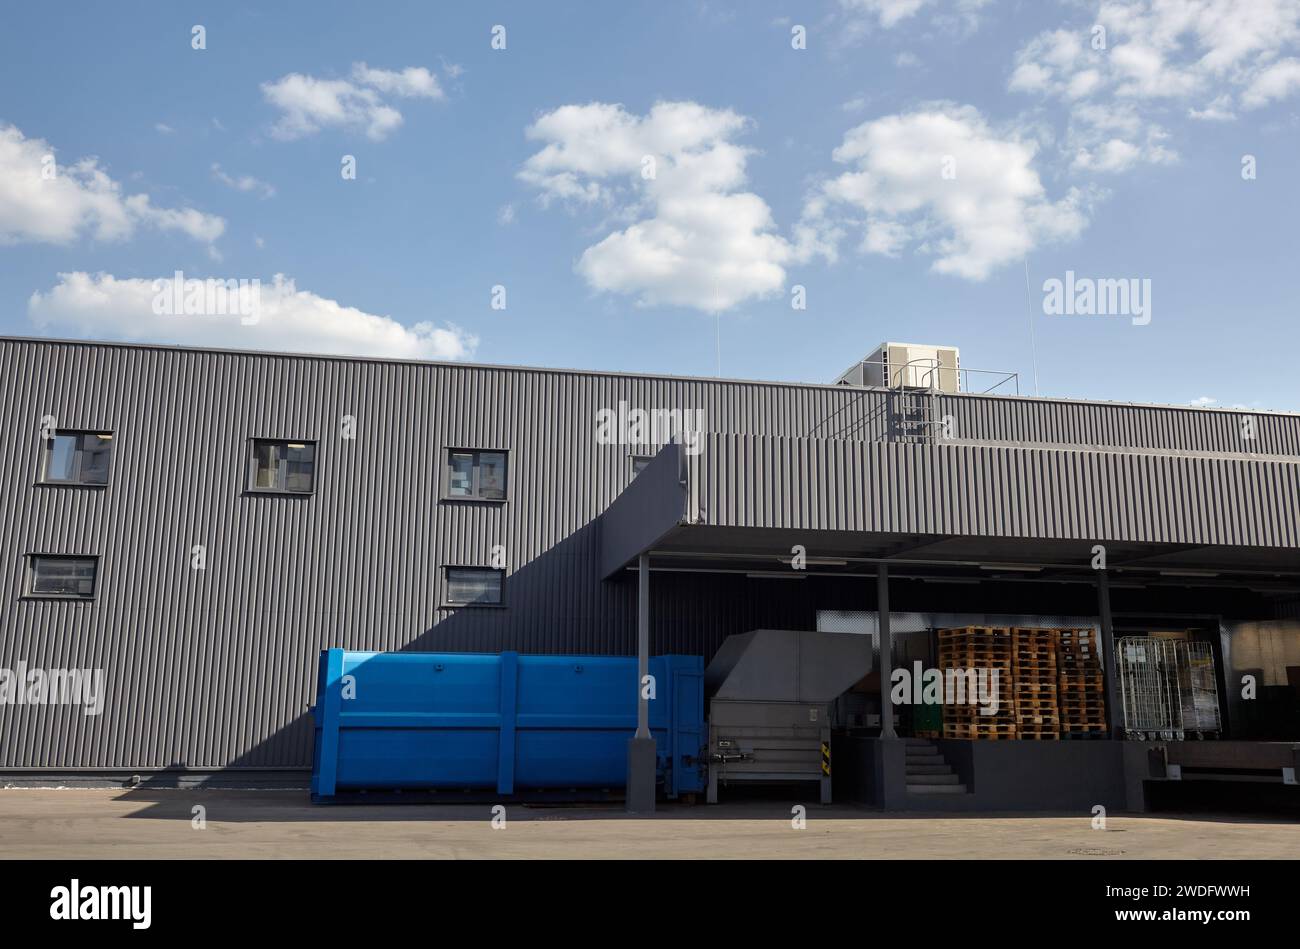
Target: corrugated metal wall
x=1067, y=494
x=215, y=668
x=1115, y=425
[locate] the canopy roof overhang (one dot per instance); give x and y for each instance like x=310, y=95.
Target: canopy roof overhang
x=771, y=552
x=664, y=513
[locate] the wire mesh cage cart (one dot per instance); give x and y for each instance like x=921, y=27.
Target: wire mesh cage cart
x=1169, y=688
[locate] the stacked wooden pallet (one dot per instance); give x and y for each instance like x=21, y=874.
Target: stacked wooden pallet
x=981, y=650
x=1033, y=682
x=1080, y=685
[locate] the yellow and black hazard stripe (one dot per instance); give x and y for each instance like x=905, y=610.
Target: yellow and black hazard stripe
x=826, y=758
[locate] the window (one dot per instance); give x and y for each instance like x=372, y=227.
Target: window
x=55, y=575
x=77, y=458
x=283, y=466
x=472, y=586
x=479, y=475
x=639, y=463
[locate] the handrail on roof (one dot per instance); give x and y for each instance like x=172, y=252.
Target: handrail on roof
x=934, y=374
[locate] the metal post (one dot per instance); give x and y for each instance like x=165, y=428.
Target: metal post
x=641, y=753
x=1110, y=661
x=642, y=645
x=886, y=653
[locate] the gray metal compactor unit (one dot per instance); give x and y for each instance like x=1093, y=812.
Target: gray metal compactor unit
x=769, y=708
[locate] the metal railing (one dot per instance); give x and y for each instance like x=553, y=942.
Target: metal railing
x=929, y=373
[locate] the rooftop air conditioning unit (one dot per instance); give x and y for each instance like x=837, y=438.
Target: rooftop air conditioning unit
x=907, y=366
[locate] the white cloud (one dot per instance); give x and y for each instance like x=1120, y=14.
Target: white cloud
x=1169, y=48
x=1203, y=401
x=1278, y=81
x=196, y=224
x=1209, y=56
x=884, y=236
x=309, y=104
x=413, y=82
x=675, y=178
x=1113, y=155
x=245, y=183
x=80, y=198
x=162, y=128
x=1121, y=118
x=889, y=13
x=1113, y=137
x=1045, y=63
x=991, y=213
x=101, y=306
x=1218, y=110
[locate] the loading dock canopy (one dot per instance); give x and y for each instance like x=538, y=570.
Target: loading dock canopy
x=741, y=503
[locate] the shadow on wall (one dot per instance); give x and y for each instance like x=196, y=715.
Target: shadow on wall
x=851, y=421
x=690, y=614
x=545, y=609
x=556, y=603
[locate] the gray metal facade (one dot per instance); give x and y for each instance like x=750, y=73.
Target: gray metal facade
x=215, y=668
x=999, y=491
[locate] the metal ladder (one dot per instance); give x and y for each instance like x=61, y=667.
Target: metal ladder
x=913, y=410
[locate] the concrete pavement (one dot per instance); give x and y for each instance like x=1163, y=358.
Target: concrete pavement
x=115, y=823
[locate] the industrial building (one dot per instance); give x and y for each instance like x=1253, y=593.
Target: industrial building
x=198, y=525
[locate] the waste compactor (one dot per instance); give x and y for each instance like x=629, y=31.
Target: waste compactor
x=770, y=692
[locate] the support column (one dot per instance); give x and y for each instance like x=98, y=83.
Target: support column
x=1110, y=661
x=886, y=653
x=641, y=747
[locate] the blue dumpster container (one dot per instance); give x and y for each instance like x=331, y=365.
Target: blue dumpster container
x=499, y=722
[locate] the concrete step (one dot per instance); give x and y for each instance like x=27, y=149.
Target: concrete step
x=926, y=770
x=931, y=779
x=936, y=789
x=937, y=767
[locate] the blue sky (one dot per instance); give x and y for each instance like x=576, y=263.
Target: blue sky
x=774, y=167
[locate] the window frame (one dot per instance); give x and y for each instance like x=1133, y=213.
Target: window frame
x=46, y=451
x=29, y=580
x=447, y=603
x=474, y=498
x=252, y=486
